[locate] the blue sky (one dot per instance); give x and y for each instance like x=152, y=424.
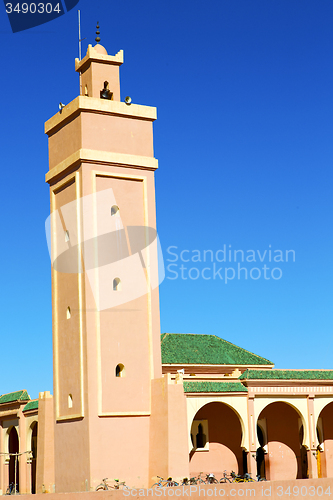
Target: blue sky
x=244, y=94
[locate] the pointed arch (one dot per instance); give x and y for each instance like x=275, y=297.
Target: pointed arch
x=216, y=434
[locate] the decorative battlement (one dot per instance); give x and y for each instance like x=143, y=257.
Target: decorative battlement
x=98, y=54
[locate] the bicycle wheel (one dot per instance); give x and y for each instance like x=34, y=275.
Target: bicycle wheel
x=101, y=487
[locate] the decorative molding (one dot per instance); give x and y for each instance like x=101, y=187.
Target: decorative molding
x=99, y=106
x=76, y=178
x=291, y=390
x=101, y=158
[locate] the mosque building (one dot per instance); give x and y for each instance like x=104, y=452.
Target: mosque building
x=127, y=402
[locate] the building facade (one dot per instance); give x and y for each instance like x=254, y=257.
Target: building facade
x=128, y=403
x=274, y=423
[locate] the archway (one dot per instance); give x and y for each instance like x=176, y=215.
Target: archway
x=13, y=447
x=34, y=456
x=286, y=456
x=216, y=435
x=325, y=439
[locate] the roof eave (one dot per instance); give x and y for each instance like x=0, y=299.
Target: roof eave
x=284, y=382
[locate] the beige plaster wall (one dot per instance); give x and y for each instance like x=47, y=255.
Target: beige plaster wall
x=45, y=473
x=96, y=74
x=118, y=134
x=64, y=141
x=168, y=452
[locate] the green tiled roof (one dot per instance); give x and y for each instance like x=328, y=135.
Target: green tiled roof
x=32, y=405
x=188, y=348
x=214, y=387
x=287, y=375
x=14, y=396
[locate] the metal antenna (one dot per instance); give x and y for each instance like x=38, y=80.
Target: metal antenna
x=80, y=39
x=80, y=44
x=79, y=20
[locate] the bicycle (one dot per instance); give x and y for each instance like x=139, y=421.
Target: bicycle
x=259, y=478
x=106, y=486
x=247, y=478
x=103, y=485
x=187, y=481
x=236, y=478
x=225, y=478
x=211, y=479
x=11, y=489
x=199, y=479
x=162, y=483
x=120, y=485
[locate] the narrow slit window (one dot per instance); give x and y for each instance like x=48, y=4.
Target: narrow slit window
x=120, y=370
x=116, y=285
x=68, y=313
x=66, y=236
x=70, y=401
x=201, y=437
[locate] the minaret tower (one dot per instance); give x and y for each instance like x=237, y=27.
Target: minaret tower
x=106, y=330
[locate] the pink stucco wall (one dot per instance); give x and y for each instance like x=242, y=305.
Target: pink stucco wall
x=282, y=441
x=225, y=436
x=307, y=489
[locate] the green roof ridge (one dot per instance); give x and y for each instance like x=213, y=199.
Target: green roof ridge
x=209, y=386
x=252, y=353
x=32, y=405
x=14, y=396
x=279, y=374
x=201, y=349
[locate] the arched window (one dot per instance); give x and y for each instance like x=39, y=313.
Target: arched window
x=201, y=437
x=68, y=313
x=114, y=211
x=120, y=370
x=70, y=401
x=116, y=285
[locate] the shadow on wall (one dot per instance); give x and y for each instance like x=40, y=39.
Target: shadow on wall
x=216, y=435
